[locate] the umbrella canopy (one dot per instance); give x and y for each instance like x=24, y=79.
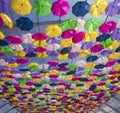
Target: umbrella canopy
x=60, y=8
x=7, y=20
x=27, y=38
x=22, y=7
x=92, y=24
x=5, y=50
x=1, y=35
x=42, y=7
x=1, y=22
x=14, y=39
x=53, y=31
x=24, y=23
x=68, y=33
x=98, y=7
x=4, y=5
x=116, y=34
x=16, y=46
x=39, y=36
x=81, y=8
x=3, y=43
x=107, y=27
x=69, y=24
x=112, y=9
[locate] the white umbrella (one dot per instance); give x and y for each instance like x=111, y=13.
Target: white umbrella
x=80, y=26
x=3, y=62
x=27, y=38
x=118, y=24
x=53, y=47
x=102, y=60
x=43, y=66
x=76, y=48
x=16, y=47
x=106, y=69
x=80, y=63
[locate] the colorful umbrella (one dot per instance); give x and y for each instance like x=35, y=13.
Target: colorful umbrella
x=92, y=24
x=80, y=26
x=98, y=7
x=16, y=46
x=107, y=27
x=1, y=22
x=14, y=39
x=22, y=7
x=39, y=36
x=7, y=20
x=112, y=9
x=68, y=33
x=1, y=35
x=81, y=8
x=60, y=8
x=27, y=38
x=4, y=5
x=5, y=50
x=24, y=23
x=53, y=31
x=69, y=24
x=3, y=43
x=116, y=34
x=42, y=8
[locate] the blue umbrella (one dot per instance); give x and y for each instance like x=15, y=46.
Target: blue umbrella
x=117, y=49
x=65, y=50
x=31, y=54
x=63, y=64
x=91, y=58
x=3, y=43
x=99, y=66
x=81, y=8
x=103, y=37
x=24, y=23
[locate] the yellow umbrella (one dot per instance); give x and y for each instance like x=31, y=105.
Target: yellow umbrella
x=84, y=53
x=41, y=55
x=52, y=72
x=7, y=20
x=19, y=53
x=98, y=7
x=22, y=7
x=90, y=36
x=116, y=67
x=114, y=55
x=90, y=65
x=66, y=42
x=1, y=35
x=12, y=65
x=39, y=43
x=114, y=45
x=53, y=31
x=33, y=64
x=62, y=56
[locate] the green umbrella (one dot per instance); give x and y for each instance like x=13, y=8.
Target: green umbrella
x=106, y=43
x=86, y=72
x=72, y=67
x=5, y=50
x=61, y=74
x=92, y=24
x=34, y=68
x=42, y=7
x=69, y=24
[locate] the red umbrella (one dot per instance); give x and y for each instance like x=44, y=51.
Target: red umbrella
x=39, y=36
x=14, y=39
x=60, y=8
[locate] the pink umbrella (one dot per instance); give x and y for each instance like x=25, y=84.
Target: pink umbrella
x=78, y=37
x=40, y=49
x=22, y=60
x=14, y=39
x=96, y=48
x=53, y=63
x=39, y=36
x=110, y=63
x=60, y=8
x=107, y=27
x=68, y=33
x=1, y=22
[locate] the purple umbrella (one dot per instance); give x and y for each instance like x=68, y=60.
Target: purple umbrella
x=112, y=9
x=1, y=22
x=86, y=45
x=116, y=34
x=73, y=55
x=4, y=5
x=52, y=41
